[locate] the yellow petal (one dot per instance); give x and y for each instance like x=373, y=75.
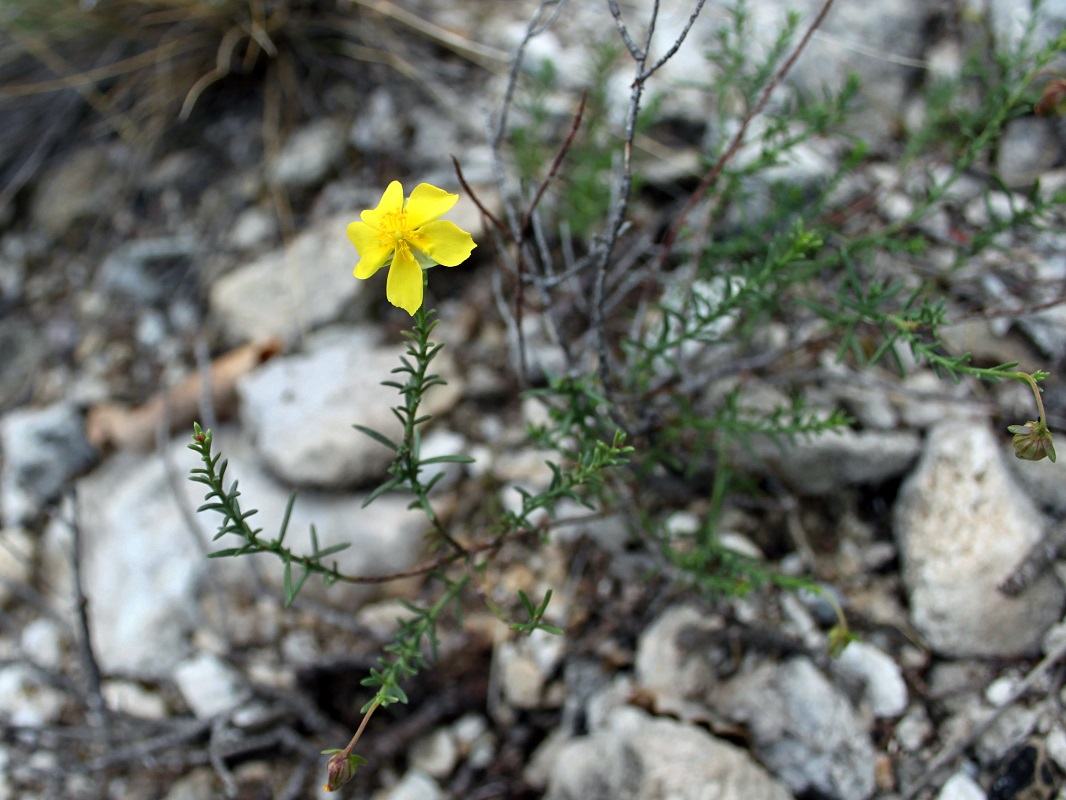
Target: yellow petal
x=426, y=203
x=404, y=286
x=372, y=255
x=391, y=203
x=444, y=242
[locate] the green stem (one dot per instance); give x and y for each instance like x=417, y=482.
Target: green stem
x=362, y=726
x=422, y=354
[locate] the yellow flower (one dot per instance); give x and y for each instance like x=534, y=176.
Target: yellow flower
x=408, y=236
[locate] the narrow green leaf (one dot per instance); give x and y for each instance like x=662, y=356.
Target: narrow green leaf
x=526, y=603
x=299, y=585
x=377, y=437
x=285, y=519
x=388, y=485
x=336, y=548
x=446, y=460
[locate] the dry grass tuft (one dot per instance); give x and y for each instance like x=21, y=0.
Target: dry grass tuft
x=144, y=67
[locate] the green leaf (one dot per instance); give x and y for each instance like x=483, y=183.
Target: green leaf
x=526, y=603
x=446, y=460
x=388, y=485
x=285, y=519
x=336, y=548
x=377, y=437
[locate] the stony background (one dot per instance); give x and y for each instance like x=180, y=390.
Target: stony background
x=117, y=278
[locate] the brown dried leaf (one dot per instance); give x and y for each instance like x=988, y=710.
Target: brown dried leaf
x=118, y=426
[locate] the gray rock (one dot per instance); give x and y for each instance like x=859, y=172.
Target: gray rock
x=42, y=642
x=253, y=228
x=1056, y=745
x=294, y=289
x=415, y=785
x=440, y=442
x=436, y=754
x=803, y=727
x=884, y=689
x=963, y=524
x=82, y=187
x=522, y=679
x=17, y=560
x=1046, y=329
x=379, y=128
x=823, y=464
x=138, y=270
x=129, y=697
x=200, y=784
x=1008, y=731
x=134, y=530
x=914, y=729
x=12, y=269
x=1054, y=638
x=1029, y=147
x=310, y=154
x=209, y=685
x=134, y=537
x=27, y=699
x=300, y=409
x=994, y=206
x=638, y=757
x=961, y=786
x=23, y=351
x=676, y=672
x=43, y=450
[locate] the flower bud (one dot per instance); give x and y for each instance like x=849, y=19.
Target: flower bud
x=340, y=769
x=839, y=639
x=1032, y=441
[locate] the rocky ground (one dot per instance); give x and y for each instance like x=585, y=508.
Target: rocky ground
x=134, y=667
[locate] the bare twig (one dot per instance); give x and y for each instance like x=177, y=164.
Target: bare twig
x=97, y=705
x=477, y=200
x=623, y=186
x=1037, y=561
x=541, y=20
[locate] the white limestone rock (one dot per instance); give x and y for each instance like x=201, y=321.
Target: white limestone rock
x=803, y=728
x=963, y=524
x=640, y=757
x=293, y=289
x=300, y=409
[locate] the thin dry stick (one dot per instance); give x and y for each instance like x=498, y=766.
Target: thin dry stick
x=518, y=231
x=216, y=759
x=95, y=696
x=87, y=78
x=624, y=185
x=1037, y=561
x=519, y=237
x=486, y=56
x=540, y=22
